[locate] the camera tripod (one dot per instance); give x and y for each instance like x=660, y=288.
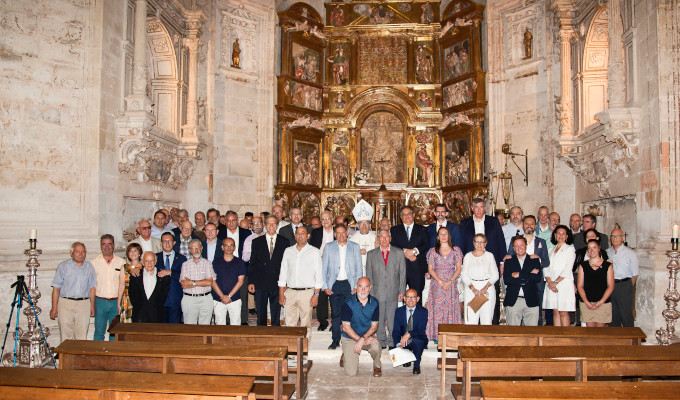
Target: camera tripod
x=19, y=292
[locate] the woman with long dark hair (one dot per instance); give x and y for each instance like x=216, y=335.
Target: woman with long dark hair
x=559, y=280
x=595, y=286
x=444, y=263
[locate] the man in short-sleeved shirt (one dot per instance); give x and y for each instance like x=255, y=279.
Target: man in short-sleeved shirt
x=230, y=271
x=626, y=271
x=196, y=279
x=360, y=316
x=73, y=293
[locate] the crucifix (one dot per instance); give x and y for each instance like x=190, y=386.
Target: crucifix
x=382, y=171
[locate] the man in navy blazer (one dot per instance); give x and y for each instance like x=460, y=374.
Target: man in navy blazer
x=441, y=212
x=340, y=281
x=414, y=241
x=521, y=275
x=235, y=232
x=479, y=222
x=411, y=337
x=264, y=270
x=173, y=303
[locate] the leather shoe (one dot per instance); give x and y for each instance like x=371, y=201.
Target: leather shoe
x=333, y=346
x=342, y=361
x=321, y=328
x=377, y=372
x=244, y=323
x=406, y=365
x=416, y=370
x=391, y=347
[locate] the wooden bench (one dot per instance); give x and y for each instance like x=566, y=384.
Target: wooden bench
x=175, y=358
x=31, y=383
x=512, y=390
x=295, y=338
x=579, y=362
x=452, y=336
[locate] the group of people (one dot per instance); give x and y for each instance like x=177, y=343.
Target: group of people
x=176, y=271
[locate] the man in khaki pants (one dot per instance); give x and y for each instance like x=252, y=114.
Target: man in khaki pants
x=300, y=281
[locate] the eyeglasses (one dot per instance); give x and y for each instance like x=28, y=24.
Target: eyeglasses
x=144, y=228
x=411, y=297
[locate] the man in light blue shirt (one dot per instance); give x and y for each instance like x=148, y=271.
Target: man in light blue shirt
x=73, y=294
x=626, y=271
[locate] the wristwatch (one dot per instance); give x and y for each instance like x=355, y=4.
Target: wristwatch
x=229, y=296
x=193, y=283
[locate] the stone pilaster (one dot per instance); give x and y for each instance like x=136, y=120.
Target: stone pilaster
x=615, y=71
x=138, y=102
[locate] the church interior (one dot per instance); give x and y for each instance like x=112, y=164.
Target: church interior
x=115, y=109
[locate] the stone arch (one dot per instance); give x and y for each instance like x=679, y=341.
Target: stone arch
x=163, y=77
x=403, y=104
x=593, y=77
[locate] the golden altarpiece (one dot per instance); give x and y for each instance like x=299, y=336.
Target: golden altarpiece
x=382, y=101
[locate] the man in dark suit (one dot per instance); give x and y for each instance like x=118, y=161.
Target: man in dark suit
x=521, y=275
x=264, y=270
x=214, y=217
x=442, y=215
x=212, y=247
x=170, y=260
x=149, y=291
x=319, y=238
x=410, y=322
x=414, y=241
x=479, y=222
x=288, y=231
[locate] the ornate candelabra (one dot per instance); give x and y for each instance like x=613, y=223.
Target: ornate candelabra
x=32, y=351
x=667, y=336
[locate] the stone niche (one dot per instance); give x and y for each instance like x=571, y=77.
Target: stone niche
x=620, y=210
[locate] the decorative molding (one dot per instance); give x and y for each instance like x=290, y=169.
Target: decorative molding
x=514, y=23
x=238, y=23
x=609, y=147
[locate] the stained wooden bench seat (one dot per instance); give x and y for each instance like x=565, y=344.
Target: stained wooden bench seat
x=35, y=383
x=175, y=358
x=579, y=362
x=453, y=336
x=523, y=390
x=294, y=338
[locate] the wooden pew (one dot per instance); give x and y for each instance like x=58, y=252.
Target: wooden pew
x=523, y=390
x=35, y=383
x=578, y=362
x=295, y=338
x=175, y=358
x=452, y=336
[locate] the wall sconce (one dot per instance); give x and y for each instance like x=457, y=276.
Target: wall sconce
x=506, y=150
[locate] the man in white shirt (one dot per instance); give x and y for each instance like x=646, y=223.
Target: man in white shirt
x=145, y=239
x=300, y=281
x=319, y=238
x=515, y=227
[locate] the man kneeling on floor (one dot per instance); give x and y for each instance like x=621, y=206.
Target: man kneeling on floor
x=359, y=325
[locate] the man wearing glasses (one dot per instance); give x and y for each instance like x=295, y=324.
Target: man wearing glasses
x=145, y=239
x=626, y=271
x=410, y=322
x=414, y=241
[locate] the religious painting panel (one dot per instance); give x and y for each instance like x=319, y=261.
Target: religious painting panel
x=308, y=203
x=382, y=60
x=460, y=93
x=305, y=163
x=456, y=59
x=382, y=147
x=306, y=62
x=340, y=204
x=425, y=99
x=338, y=101
x=458, y=203
x=423, y=156
x=424, y=62
x=302, y=95
x=339, y=160
x=337, y=16
x=456, y=169
x=281, y=199
x=380, y=13
x=339, y=63
x=423, y=207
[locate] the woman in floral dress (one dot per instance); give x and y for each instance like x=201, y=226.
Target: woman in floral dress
x=444, y=263
x=133, y=254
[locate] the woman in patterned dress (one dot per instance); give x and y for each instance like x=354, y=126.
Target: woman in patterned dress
x=133, y=254
x=444, y=263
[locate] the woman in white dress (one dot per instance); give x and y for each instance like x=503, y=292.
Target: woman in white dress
x=479, y=276
x=559, y=279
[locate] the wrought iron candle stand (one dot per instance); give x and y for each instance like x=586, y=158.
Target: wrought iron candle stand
x=667, y=336
x=32, y=351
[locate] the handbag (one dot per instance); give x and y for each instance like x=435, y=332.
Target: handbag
x=477, y=302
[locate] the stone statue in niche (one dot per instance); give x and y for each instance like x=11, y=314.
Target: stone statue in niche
x=528, y=39
x=424, y=64
x=381, y=15
x=236, y=55
x=428, y=15
x=340, y=66
x=382, y=141
x=424, y=165
x=339, y=167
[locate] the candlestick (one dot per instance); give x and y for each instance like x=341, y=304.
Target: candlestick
x=667, y=335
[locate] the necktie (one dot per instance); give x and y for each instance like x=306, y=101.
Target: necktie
x=409, y=324
x=271, y=247
x=408, y=232
x=167, y=261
